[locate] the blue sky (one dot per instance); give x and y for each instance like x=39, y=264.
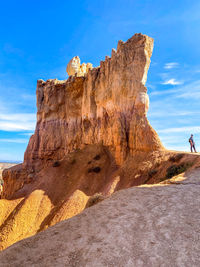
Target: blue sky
x=38, y=38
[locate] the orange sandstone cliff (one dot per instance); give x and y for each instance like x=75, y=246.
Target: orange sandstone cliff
x=108, y=106
x=92, y=136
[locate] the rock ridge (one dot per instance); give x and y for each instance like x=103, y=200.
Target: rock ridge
x=107, y=105
x=92, y=138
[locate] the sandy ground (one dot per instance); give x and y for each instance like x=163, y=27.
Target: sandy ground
x=152, y=225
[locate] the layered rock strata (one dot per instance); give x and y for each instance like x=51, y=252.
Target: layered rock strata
x=107, y=106
x=92, y=136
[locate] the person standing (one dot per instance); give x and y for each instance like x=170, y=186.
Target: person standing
x=192, y=144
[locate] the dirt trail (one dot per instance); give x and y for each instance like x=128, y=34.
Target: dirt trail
x=152, y=225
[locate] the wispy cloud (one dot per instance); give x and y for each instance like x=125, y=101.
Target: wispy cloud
x=163, y=92
x=18, y=117
x=176, y=147
x=18, y=140
x=17, y=122
x=168, y=139
x=189, y=129
x=16, y=126
x=27, y=134
x=174, y=113
x=172, y=82
x=171, y=65
x=190, y=91
x=187, y=95
x=183, y=91
x=173, y=143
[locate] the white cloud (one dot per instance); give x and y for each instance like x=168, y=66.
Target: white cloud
x=188, y=95
x=171, y=65
x=18, y=117
x=27, y=134
x=188, y=129
x=172, y=82
x=168, y=139
x=17, y=140
x=176, y=147
x=16, y=126
x=173, y=113
x=190, y=91
x=184, y=91
x=17, y=122
x=163, y=92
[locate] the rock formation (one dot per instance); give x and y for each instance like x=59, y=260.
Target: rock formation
x=2, y=167
x=92, y=136
x=75, y=67
x=107, y=106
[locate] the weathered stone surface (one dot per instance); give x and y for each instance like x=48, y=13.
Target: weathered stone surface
x=108, y=106
x=14, y=179
x=140, y=226
x=101, y=113
x=3, y=166
x=74, y=67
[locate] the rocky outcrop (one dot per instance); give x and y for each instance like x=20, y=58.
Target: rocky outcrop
x=75, y=67
x=107, y=106
x=14, y=179
x=3, y=166
x=92, y=136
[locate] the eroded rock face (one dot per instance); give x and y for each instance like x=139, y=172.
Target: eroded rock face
x=108, y=106
x=105, y=108
x=74, y=67
x=92, y=136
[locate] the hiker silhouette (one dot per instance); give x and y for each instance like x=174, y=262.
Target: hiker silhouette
x=192, y=144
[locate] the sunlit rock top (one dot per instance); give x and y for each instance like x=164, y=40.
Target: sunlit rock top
x=74, y=67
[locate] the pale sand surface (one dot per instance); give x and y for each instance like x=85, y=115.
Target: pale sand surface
x=139, y=226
